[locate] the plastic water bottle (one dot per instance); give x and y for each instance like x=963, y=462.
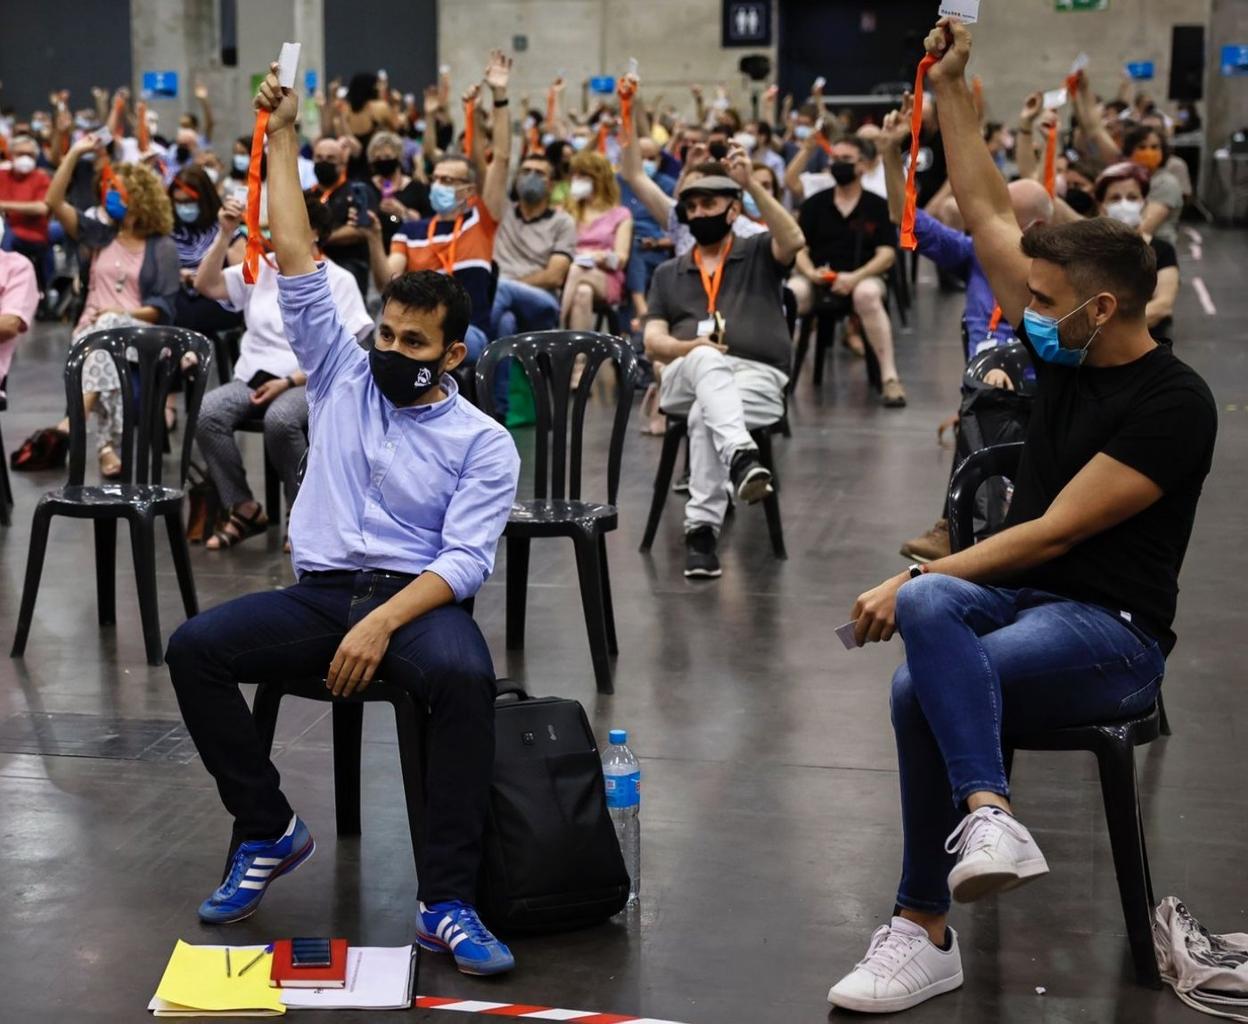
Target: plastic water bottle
x=622, y=774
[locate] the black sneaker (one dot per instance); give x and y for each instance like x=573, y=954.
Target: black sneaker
x=681, y=486
x=701, y=562
x=750, y=478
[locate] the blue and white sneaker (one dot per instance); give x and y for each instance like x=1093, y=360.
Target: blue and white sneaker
x=455, y=928
x=256, y=864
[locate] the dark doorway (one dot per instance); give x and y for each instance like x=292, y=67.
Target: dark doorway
x=398, y=35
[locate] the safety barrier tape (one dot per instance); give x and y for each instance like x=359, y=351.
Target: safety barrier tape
x=521, y=1011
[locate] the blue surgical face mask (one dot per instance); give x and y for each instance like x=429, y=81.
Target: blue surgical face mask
x=241, y=162
x=188, y=213
x=750, y=207
x=442, y=198
x=651, y=167
x=115, y=206
x=579, y=142
x=802, y=131
x=1043, y=333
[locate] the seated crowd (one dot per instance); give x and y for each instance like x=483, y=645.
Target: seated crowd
x=709, y=238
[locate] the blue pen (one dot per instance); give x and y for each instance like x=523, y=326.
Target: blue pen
x=256, y=960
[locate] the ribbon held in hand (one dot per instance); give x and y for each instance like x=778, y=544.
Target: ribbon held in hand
x=908, y=241
x=470, y=125
x=1050, y=162
x=550, y=105
x=256, y=242
x=627, y=91
x=603, y=132
x=143, y=135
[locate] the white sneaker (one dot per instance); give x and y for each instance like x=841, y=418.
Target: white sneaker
x=995, y=853
x=901, y=969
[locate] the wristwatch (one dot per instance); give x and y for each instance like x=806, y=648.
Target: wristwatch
x=291, y=381
x=917, y=570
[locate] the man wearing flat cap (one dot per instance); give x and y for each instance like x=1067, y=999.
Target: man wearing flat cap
x=716, y=317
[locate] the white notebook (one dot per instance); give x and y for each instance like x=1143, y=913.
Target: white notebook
x=378, y=978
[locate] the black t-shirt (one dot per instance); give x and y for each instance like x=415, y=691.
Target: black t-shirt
x=1166, y=257
x=845, y=243
x=1155, y=415
x=414, y=195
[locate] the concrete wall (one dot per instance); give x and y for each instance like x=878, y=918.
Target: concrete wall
x=1032, y=46
x=676, y=44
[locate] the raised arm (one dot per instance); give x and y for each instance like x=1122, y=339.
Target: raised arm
x=977, y=184
x=288, y=216
x=55, y=200
x=787, y=239
x=894, y=134
x=1096, y=137
x=494, y=188
x=653, y=198
x=793, y=173
x=1025, y=147
x=209, y=277
x=209, y=123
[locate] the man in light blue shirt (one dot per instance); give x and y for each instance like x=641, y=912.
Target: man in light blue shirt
x=407, y=490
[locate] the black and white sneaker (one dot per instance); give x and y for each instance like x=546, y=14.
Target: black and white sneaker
x=701, y=561
x=750, y=478
x=681, y=486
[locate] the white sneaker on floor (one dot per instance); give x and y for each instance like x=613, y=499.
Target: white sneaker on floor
x=995, y=853
x=902, y=968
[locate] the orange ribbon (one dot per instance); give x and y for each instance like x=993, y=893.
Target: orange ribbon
x=1072, y=84
x=627, y=92
x=908, y=241
x=603, y=132
x=550, y=104
x=109, y=180
x=470, y=126
x=711, y=282
x=824, y=144
x=328, y=193
x=446, y=255
x=143, y=135
x=995, y=320
x=257, y=244
x=1050, y=162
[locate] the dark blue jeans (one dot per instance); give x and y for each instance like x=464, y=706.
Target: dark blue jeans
x=441, y=657
x=982, y=662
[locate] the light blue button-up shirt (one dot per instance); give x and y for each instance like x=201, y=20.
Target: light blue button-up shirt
x=418, y=489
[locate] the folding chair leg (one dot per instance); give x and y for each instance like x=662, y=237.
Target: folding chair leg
x=589, y=569
x=34, y=570
x=1122, y=813
x=1164, y=722
x=771, y=504
x=517, y=590
x=272, y=491
x=825, y=337
x=6, y=490
x=662, y=482
x=106, y=570
x=409, y=723
x=608, y=609
x=182, y=564
x=348, y=739
x=803, y=345
x=143, y=543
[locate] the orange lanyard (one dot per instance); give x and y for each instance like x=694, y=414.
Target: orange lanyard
x=908, y=239
x=446, y=256
x=257, y=245
x=342, y=180
x=995, y=320
x=711, y=282
x=1050, y=162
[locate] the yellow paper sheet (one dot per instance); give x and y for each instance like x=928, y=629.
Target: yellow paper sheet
x=195, y=979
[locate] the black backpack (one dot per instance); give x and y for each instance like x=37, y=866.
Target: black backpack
x=551, y=860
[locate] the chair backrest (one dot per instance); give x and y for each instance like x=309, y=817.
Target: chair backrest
x=159, y=353
x=1012, y=358
x=975, y=470
x=548, y=358
x=790, y=308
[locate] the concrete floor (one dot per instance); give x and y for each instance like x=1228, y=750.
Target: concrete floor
x=770, y=823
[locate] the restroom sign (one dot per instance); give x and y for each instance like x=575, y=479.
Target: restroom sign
x=747, y=23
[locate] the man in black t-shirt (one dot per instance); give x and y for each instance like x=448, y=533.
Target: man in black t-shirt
x=850, y=246
x=1064, y=617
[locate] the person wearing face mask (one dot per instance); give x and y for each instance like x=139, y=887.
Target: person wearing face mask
x=268, y=383
x=802, y=138
x=651, y=244
x=23, y=188
x=764, y=151
x=1122, y=192
x=716, y=320
x=407, y=490
x=459, y=238
x=399, y=197
x=347, y=244
x=1063, y=617
x=604, y=241
x=848, y=231
x=195, y=230
x=1148, y=148
x=133, y=277
x=559, y=155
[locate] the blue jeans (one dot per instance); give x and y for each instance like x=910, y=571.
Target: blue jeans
x=983, y=661
x=519, y=307
x=440, y=657
x=475, y=340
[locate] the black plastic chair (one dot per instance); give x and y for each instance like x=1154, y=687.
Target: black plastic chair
x=557, y=509
x=1112, y=743
x=410, y=720
x=139, y=497
x=829, y=310
x=6, y=487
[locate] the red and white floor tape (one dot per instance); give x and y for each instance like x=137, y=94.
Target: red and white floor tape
x=519, y=1011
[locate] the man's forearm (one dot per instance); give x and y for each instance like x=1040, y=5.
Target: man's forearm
x=425, y=593
x=1004, y=554
x=1025, y=152
x=31, y=209
x=894, y=182
x=785, y=232
x=288, y=216
x=877, y=265
x=977, y=184
x=378, y=261
x=209, y=281
x=346, y=235
x=793, y=174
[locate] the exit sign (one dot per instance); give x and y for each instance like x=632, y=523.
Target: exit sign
x=747, y=23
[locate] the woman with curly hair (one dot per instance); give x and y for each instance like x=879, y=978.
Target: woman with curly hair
x=133, y=277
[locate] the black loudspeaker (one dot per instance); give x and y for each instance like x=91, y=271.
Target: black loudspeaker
x=1187, y=62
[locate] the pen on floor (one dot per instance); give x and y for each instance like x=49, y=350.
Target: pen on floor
x=252, y=963
x=228, y=973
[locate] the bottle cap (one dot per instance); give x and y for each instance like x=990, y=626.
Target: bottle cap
x=618, y=736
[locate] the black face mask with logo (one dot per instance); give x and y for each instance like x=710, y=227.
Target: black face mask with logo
x=403, y=380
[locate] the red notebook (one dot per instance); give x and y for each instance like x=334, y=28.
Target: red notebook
x=285, y=975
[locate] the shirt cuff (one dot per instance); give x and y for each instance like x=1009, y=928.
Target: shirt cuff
x=461, y=573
